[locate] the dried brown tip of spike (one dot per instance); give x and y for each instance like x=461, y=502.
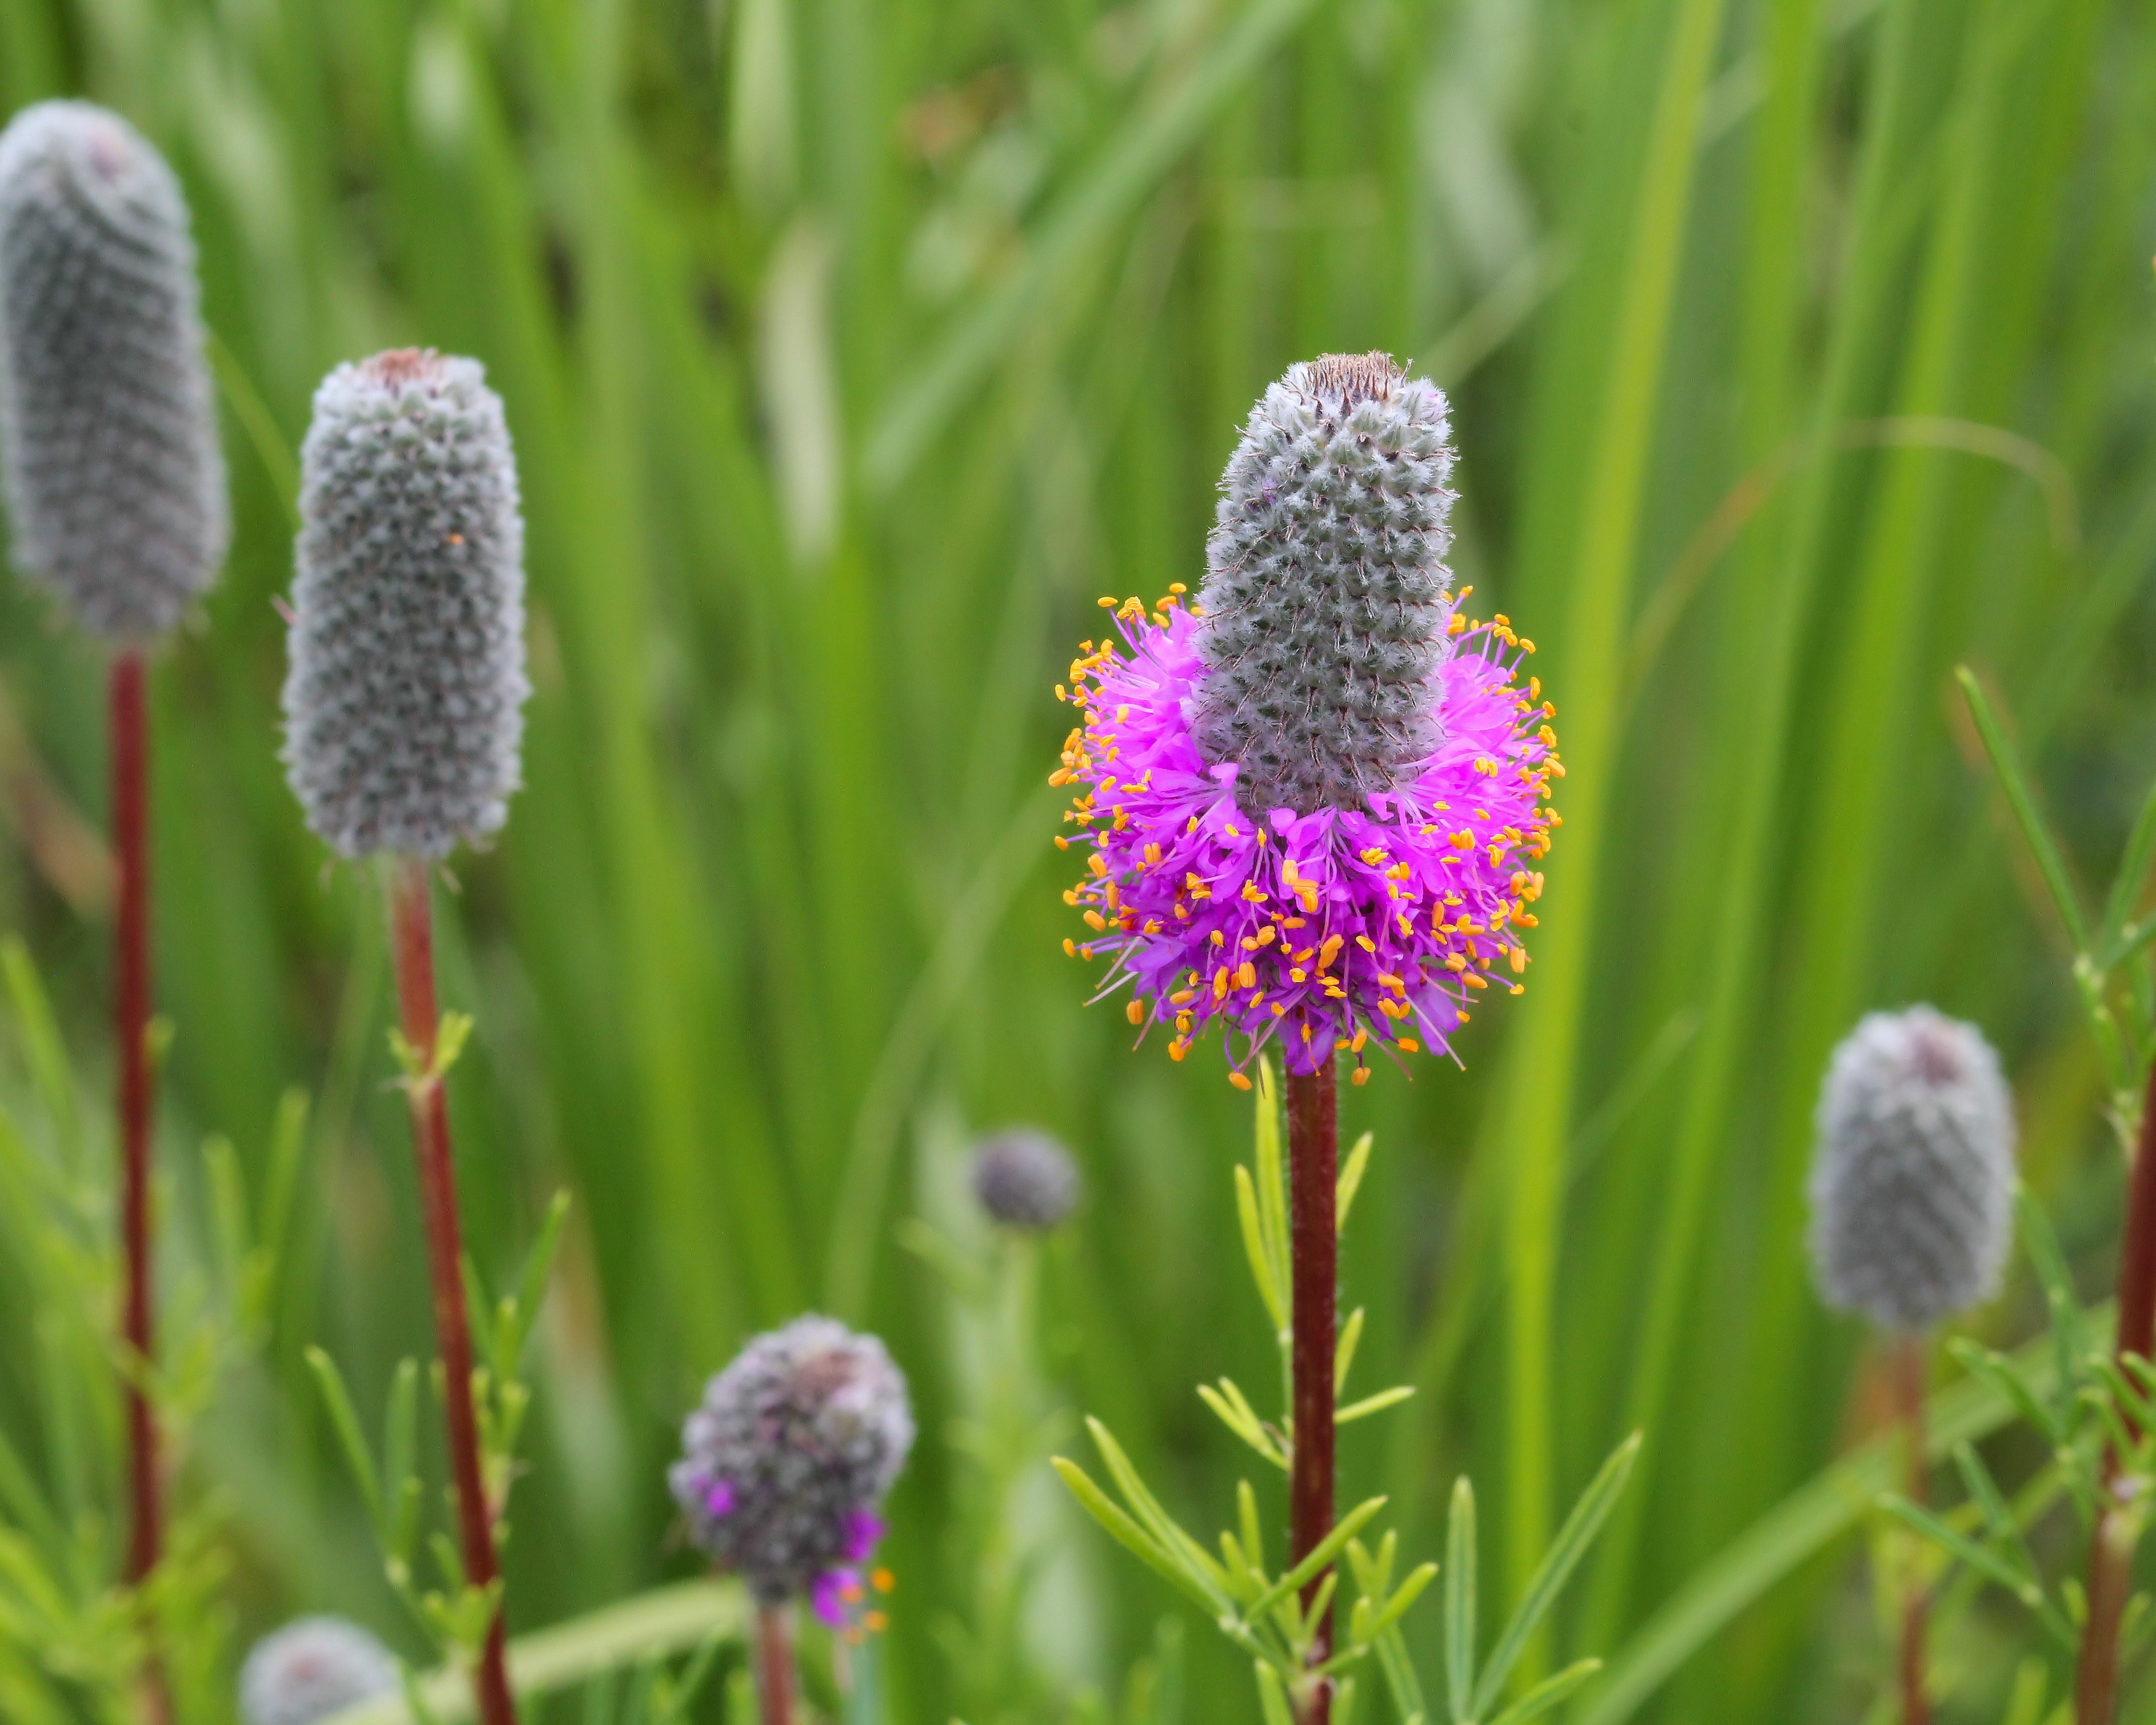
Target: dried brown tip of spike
x=403, y=365
x=1351, y=377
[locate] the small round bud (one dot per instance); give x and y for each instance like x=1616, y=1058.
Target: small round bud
x=786, y=1462
x=404, y=702
x=1025, y=1179
x=114, y=480
x=1327, y=595
x=1912, y=1187
x=311, y=1668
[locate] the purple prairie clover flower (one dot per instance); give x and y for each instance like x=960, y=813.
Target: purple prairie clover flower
x=1313, y=796
x=786, y=1460
x=1316, y=931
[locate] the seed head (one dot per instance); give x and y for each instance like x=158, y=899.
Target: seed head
x=109, y=457
x=1325, y=595
x=1912, y=1186
x=403, y=704
x=1025, y=1179
x=311, y=1668
x=786, y=1462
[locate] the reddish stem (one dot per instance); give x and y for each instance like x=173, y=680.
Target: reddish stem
x=1909, y=1382
x=129, y=722
x=412, y=928
x=2095, y=1682
x=774, y=1666
x=1313, y=1141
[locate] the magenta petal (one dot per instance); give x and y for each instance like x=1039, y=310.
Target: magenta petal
x=827, y=1595
x=719, y=1501
x=862, y=1530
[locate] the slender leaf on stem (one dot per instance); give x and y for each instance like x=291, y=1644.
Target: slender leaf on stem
x=1152, y=1516
x=2006, y=764
x=2127, y=885
x=1459, y=1585
x=1320, y=1556
x=346, y=1420
x=1350, y=1180
x=1549, y=1693
x=1258, y=1249
x=1127, y=1533
x=1272, y=1696
x=1377, y=1403
x=1343, y=1356
x=1565, y=1552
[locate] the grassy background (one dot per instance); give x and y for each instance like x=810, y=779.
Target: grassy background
x=1800, y=349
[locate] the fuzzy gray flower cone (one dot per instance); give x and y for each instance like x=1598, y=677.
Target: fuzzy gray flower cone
x=114, y=481
x=1326, y=594
x=801, y=1436
x=1912, y=1188
x=1025, y=1179
x=312, y=1669
x=404, y=701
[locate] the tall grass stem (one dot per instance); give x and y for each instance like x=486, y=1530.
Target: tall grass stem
x=412, y=931
x=1313, y=1149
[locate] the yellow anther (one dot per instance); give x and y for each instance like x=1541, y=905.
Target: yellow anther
x=1069, y=948
x=1239, y=1081
x=1518, y=958
x=1407, y=1045
x=1463, y=839
x=1355, y=1043
x=1246, y=975
x=1361, y=1075
x=1366, y=944
x=1182, y=996
x=1095, y=921
x=1220, y=983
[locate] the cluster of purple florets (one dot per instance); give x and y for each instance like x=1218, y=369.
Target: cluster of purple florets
x=1316, y=931
x=786, y=1460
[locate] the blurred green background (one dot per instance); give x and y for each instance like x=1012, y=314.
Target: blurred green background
x=1800, y=350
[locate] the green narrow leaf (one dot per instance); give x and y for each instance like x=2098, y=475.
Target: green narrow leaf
x=1400, y=1678
x=1418, y=1582
x=2132, y=875
x=2006, y=764
x=1150, y=1514
x=228, y=1204
x=1377, y=1403
x=1256, y=1248
x=342, y=1416
x=1127, y=1533
x=1272, y=1698
x=288, y=1140
x=1549, y=1693
x=532, y=1285
x=1565, y=1552
x=42, y=1044
x=1350, y=1180
x=1344, y=1356
x=1320, y=1556
x=1459, y=1585
x=1246, y=1515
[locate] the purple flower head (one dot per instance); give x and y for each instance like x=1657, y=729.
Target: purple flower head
x=786, y=1460
x=1315, y=797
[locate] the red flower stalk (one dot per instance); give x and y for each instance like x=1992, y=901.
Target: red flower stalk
x=2110, y=1552
x=412, y=929
x=1313, y=1150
